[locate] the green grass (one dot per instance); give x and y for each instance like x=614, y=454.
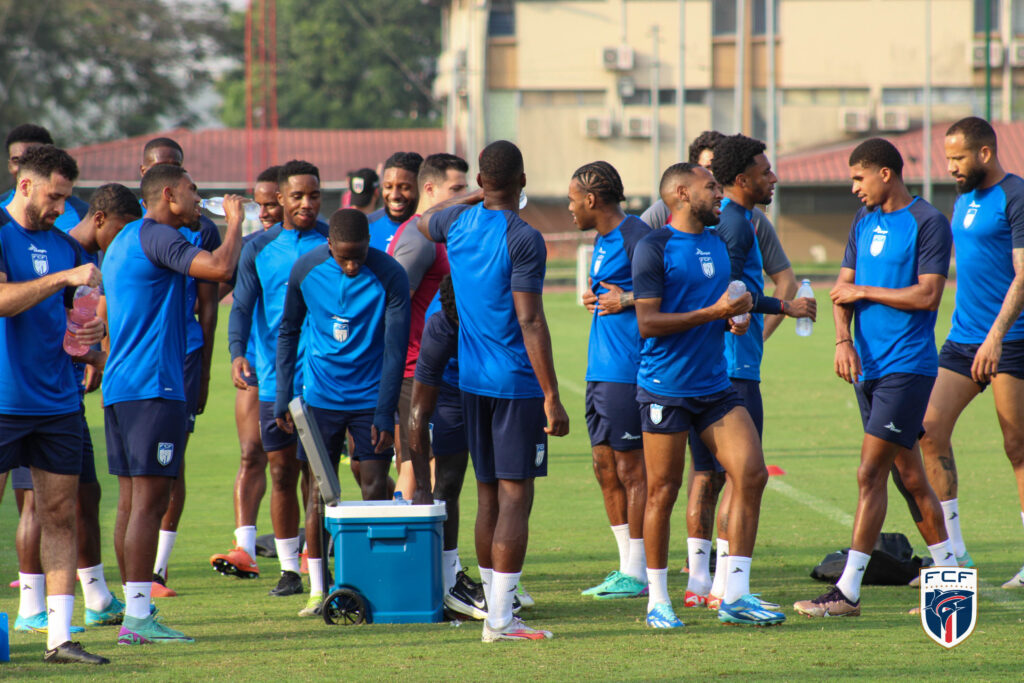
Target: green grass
x=812, y=432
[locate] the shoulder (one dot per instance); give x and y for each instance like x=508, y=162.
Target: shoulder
x=381, y=263
x=926, y=213
x=1012, y=185
x=376, y=216
x=310, y=260
x=264, y=238
x=80, y=205
x=322, y=228
x=653, y=243
x=634, y=229
x=439, y=326
x=71, y=242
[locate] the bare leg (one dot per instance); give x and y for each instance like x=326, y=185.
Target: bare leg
x=664, y=458
x=1009, y=398
x=614, y=494
x=251, y=482
x=284, y=501
x=950, y=395
x=450, y=474
x=55, y=499
x=27, y=537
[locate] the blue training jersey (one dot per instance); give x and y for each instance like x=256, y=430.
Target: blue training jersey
x=382, y=229
x=890, y=250
x=144, y=271
x=438, y=362
x=207, y=237
x=356, y=332
x=613, y=353
x=988, y=224
x=687, y=272
x=75, y=210
x=492, y=254
x=36, y=374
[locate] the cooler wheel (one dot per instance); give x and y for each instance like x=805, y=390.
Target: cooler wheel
x=344, y=606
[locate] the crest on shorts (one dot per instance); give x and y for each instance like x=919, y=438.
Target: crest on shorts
x=542, y=450
x=972, y=211
x=657, y=413
x=164, y=453
x=949, y=605
x=358, y=185
x=341, y=330
x=878, y=241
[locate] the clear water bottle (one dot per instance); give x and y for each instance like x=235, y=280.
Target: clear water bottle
x=399, y=499
x=804, y=326
x=522, y=199
x=215, y=205
x=86, y=301
x=737, y=289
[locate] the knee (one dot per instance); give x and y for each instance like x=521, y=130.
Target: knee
x=253, y=456
x=631, y=472
x=1013, y=444
x=605, y=471
x=871, y=476
x=662, y=494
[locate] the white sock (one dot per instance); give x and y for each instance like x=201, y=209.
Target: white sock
x=137, y=599
x=621, y=532
x=737, y=582
x=94, y=588
x=943, y=554
x=853, y=574
x=657, y=582
x=486, y=579
x=637, y=559
x=316, y=575
x=449, y=567
x=951, y=513
x=721, y=569
x=59, y=610
x=699, y=554
x=163, y=552
x=245, y=538
x=1022, y=517
x=503, y=589
x=288, y=553
x=33, y=595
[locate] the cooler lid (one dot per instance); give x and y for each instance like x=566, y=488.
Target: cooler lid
x=360, y=509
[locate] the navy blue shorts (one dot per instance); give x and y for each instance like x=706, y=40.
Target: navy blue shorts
x=695, y=413
x=447, y=425
x=273, y=438
x=506, y=437
x=21, y=477
x=52, y=443
x=749, y=391
x=334, y=423
x=145, y=438
x=959, y=358
x=193, y=380
x=613, y=415
x=892, y=407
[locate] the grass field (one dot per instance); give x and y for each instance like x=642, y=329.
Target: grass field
x=812, y=432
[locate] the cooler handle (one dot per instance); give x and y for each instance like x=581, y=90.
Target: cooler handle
x=386, y=531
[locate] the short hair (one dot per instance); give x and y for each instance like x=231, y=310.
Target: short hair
x=157, y=178
x=878, y=153
x=114, y=199
x=436, y=166
x=268, y=175
x=977, y=133
x=45, y=160
x=602, y=180
x=349, y=225
x=407, y=161
x=296, y=167
x=501, y=163
x=159, y=143
x=29, y=132
x=733, y=155
x=706, y=140
x=683, y=168
x=447, y=292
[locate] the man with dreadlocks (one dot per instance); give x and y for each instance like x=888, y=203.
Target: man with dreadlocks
x=613, y=357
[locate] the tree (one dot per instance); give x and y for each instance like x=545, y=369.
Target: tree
x=99, y=69
x=349, y=64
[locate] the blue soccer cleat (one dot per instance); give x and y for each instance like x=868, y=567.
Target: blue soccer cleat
x=111, y=615
x=38, y=623
x=662, y=616
x=748, y=610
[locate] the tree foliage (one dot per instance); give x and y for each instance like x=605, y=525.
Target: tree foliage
x=350, y=64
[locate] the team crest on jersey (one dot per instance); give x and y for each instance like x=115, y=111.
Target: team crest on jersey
x=707, y=266
x=40, y=263
x=542, y=450
x=164, y=453
x=972, y=211
x=341, y=330
x=598, y=257
x=949, y=605
x=657, y=413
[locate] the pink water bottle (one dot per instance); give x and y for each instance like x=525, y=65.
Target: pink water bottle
x=86, y=301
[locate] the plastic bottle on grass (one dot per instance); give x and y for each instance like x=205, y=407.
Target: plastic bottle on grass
x=215, y=205
x=736, y=290
x=804, y=326
x=86, y=301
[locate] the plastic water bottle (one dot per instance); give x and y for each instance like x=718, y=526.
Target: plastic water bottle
x=215, y=205
x=86, y=300
x=736, y=290
x=522, y=199
x=399, y=499
x=804, y=326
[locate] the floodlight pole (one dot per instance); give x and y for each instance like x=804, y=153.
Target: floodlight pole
x=655, y=122
x=926, y=133
x=681, y=88
x=773, y=136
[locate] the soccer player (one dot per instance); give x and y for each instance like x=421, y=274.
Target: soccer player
x=251, y=481
x=506, y=373
x=40, y=409
x=890, y=286
x=350, y=305
x=683, y=309
x=19, y=140
x=986, y=341
x=256, y=312
x=399, y=189
x=363, y=190
x=144, y=383
x=613, y=357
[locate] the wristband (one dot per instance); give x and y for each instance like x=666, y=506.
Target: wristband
x=782, y=305
x=844, y=341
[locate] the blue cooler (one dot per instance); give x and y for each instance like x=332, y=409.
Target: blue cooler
x=390, y=552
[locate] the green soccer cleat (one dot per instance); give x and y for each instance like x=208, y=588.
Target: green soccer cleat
x=600, y=587
x=38, y=623
x=111, y=615
x=623, y=586
x=313, y=605
x=135, y=631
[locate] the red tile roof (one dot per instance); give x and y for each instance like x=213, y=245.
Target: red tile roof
x=828, y=165
x=217, y=156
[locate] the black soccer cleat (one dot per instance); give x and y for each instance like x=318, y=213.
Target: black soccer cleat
x=72, y=653
x=290, y=583
x=466, y=597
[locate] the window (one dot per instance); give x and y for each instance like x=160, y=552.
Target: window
x=562, y=98
x=979, y=15
x=502, y=21
x=851, y=97
x=760, y=12
x=1018, y=18
x=723, y=17
x=666, y=96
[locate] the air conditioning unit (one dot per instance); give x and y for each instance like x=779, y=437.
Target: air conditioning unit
x=1016, y=53
x=978, y=54
x=638, y=127
x=597, y=126
x=618, y=58
x=855, y=120
x=893, y=119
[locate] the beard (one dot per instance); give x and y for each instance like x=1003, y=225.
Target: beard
x=35, y=219
x=971, y=180
x=706, y=215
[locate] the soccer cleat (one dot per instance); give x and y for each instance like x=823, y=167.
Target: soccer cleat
x=514, y=630
x=623, y=586
x=38, y=623
x=1016, y=582
x=72, y=653
x=714, y=602
x=466, y=597
x=695, y=600
x=748, y=610
x=111, y=615
x=601, y=586
x=525, y=599
x=136, y=631
x=831, y=604
x=313, y=604
x=160, y=589
x=236, y=563
x=663, y=616
x=965, y=560
x=304, y=562
x=290, y=583
x=15, y=584
x=773, y=606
